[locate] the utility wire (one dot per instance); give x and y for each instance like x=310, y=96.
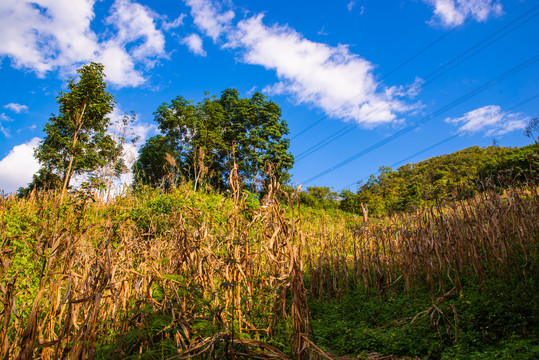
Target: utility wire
x=398, y=67
x=483, y=44
x=437, y=144
x=443, y=69
x=429, y=117
x=406, y=159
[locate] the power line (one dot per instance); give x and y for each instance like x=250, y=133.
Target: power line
x=523, y=102
x=341, y=132
x=398, y=67
x=408, y=158
x=428, y=118
x=491, y=39
x=434, y=74
x=438, y=143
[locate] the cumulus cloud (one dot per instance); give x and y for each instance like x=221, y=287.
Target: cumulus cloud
x=351, y=5
x=332, y=78
x=210, y=18
x=194, y=43
x=489, y=119
x=46, y=35
x=452, y=13
x=17, y=168
x=135, y=22
x=17, y=108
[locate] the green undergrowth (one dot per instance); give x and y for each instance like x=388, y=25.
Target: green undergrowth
x=494, y=320
x=153, y=211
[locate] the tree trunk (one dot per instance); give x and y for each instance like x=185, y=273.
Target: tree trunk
x=365, y=209
x=199, y=164
x=67, y=176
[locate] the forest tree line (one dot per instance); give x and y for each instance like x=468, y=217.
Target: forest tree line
x=201, y=143
x=455, y=176
x=198, y=143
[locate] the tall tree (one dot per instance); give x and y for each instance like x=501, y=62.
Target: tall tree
x=207, y=138
x=76, y=140
x=256, y=129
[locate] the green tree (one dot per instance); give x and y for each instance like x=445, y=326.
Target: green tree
x=255, y=128
x=455, y=176
x=204, y=141
x=76, y=140
x=156, y=164
x=319, y=197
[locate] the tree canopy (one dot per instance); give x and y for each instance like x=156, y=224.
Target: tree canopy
x=76, y=140
x=201, y=142
x=454, y=176
x=448, y=177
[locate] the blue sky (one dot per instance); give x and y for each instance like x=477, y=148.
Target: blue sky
x=381, y=80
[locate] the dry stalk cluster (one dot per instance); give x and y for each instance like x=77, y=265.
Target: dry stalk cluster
x=85, y=280
x=478, y=237
x=84, y=276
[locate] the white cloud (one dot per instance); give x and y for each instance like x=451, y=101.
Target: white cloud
x=29, y=128
x=410, y=91
x=4, y=117
x=209, y=17
x=17, y=108
x=34, y=33
x=451, y=13
x=17, y=168
x=135, y=22
x=322, y=32
x=194, y=43
x=120, y=67
x=173, y=24
x=138, y=129
x=332, y=78
x=3, y=130
x=46, y=35
x=489, y=119
x=352, y=4
x=135, y=135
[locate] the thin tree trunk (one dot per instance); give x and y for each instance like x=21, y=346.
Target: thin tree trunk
x=115, y=163
x=67, y=176
x=365, y=210
x=199, y=163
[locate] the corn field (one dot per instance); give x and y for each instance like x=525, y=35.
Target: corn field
x=172, y=280
x=434, y=246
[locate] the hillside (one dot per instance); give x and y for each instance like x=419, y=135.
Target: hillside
x=455, y=176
